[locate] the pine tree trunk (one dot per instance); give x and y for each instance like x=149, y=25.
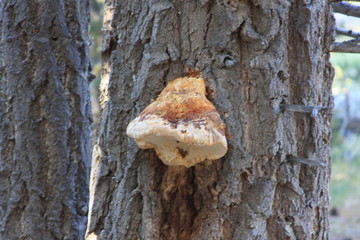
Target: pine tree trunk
x=45, y=135
x=254, y=55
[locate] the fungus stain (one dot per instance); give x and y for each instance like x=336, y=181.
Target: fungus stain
x=182, y=152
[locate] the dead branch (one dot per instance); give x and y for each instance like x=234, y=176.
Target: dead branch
x=346, y=32
x=346, y=8
x=351, y=46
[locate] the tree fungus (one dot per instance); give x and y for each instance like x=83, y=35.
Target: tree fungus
x=182, y=125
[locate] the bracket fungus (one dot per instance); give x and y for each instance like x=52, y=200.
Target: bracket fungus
x=182, y=125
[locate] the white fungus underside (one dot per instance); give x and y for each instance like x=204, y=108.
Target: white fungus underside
x=184, y=145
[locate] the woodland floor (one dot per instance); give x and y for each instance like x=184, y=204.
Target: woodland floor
x=346, y=225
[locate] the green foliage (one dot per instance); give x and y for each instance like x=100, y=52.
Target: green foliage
x=345, y=151
x=345, y=180
x=347, y=71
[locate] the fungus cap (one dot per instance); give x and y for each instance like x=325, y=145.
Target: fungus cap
x=182, y=125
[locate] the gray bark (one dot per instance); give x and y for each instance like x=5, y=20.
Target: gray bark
x=45, y=137
x=254, y=55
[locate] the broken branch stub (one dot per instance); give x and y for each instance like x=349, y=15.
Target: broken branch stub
x=182, y=125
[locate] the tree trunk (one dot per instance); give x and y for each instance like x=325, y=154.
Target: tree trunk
x=45, y=137
x=254, y=55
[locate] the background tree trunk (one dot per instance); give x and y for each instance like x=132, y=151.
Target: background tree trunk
x=45, y=138
x=254, y=55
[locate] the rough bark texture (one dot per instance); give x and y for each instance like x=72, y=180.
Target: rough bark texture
x=45, y=138
x=255, y=55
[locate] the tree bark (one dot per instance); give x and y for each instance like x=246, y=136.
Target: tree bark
x=255, y=56
x=45, y=135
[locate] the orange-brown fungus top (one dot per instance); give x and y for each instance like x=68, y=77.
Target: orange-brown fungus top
x=183, y=100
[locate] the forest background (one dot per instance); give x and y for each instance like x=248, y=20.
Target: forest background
x=345, y=150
